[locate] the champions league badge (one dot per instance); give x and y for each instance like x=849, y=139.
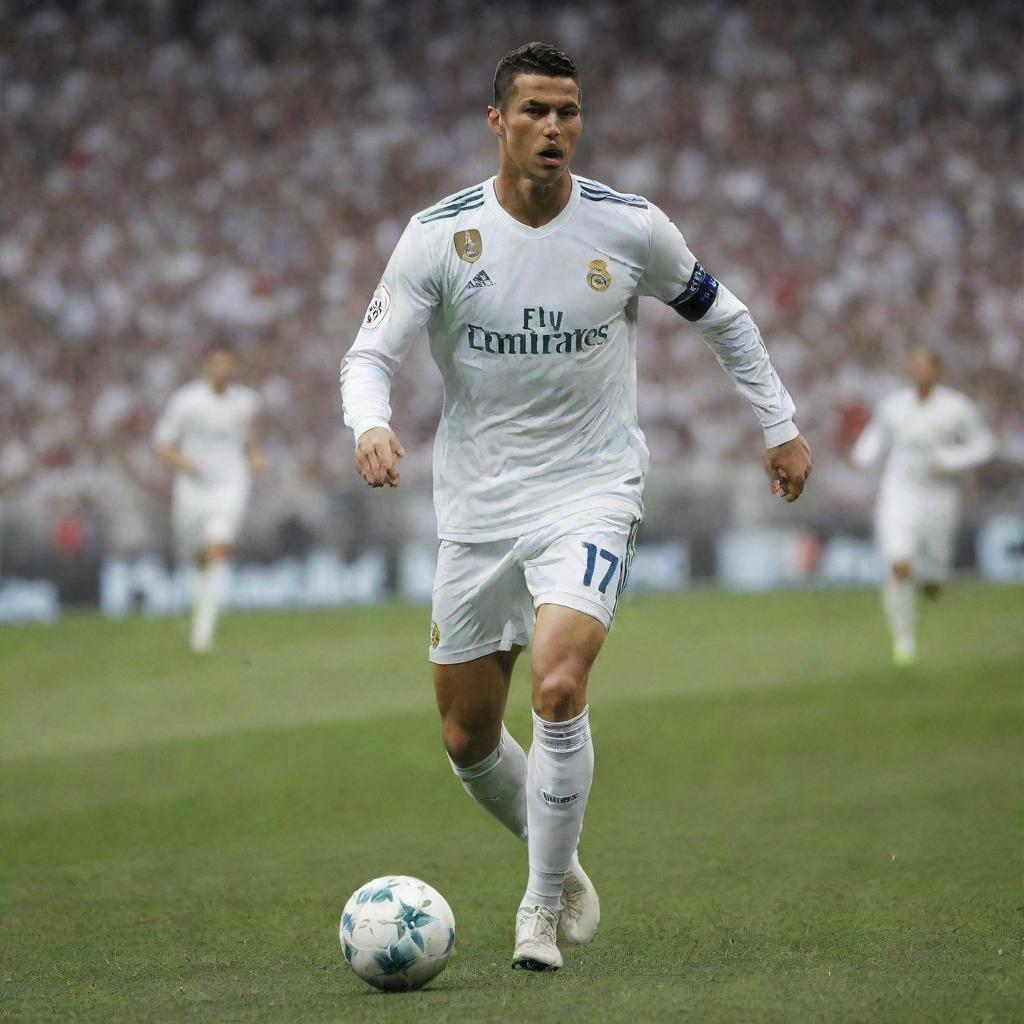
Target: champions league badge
x=468, y=245
x=377, y=309
x=599, y=276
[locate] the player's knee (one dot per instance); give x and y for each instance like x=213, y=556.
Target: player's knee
x=467, y=743
x=559, y=694
x=901, y=570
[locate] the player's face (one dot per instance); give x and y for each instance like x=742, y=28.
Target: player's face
x=924, y=368
x=220, y=367
x=539, y=126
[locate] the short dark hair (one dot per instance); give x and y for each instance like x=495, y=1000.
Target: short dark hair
x=532, y=59
x=219, y=345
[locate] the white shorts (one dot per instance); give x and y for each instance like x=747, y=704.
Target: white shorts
x=486, y=595
x=213, y=517
x=921, y=531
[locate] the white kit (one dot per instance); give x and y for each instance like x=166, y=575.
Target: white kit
x=927, y=444
x=211, y=429
x=535, y=332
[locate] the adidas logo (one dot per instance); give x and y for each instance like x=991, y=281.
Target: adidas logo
x=480, y=281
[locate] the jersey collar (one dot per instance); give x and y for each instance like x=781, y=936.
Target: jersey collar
x=517, y=227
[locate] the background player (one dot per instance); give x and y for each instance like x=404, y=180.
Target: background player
x=931, y=435
x=206, y=436
x=528, y=285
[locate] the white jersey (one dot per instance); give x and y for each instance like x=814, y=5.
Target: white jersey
x=534, y=331
x=926, y=444
x=211, y=429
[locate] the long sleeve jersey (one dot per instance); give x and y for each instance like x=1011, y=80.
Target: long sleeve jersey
x=534, y=331
x=925, y=443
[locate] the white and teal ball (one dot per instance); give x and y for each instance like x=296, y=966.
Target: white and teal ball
x=397, y=932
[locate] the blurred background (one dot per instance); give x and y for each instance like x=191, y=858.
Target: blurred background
x=175, y=172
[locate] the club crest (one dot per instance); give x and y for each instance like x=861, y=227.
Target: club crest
x=435, y=635
x=468, y=245
x=377, y=309
x=599, y=276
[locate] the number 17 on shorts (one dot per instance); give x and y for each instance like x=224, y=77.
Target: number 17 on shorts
x=586, y=569
x=593, y=551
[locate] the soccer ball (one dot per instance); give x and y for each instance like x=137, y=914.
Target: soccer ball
x=397, y=932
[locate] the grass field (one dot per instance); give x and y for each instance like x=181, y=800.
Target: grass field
x=782, y=827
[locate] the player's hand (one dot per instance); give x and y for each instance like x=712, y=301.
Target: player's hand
x=257, y=462
x=189, y=467
x=377, y=455
x=789, y=465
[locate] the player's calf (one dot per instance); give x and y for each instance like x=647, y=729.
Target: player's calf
x=210, y=585
x=485, y=757
x=561, y=760
x=471, y=699
x=498, y=783
x=898, y=601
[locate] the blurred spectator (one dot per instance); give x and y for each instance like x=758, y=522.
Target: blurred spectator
x=69, y=535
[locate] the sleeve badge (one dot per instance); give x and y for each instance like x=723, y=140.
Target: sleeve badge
x=378, y=308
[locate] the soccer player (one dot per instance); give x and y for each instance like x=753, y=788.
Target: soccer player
x=528, y=286
x=931, y=436
x=206, y=436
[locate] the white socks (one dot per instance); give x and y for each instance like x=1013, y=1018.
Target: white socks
x=899, y=601
x=561, y=769
x=498, y=783
x=210, y=585
x=541, y=801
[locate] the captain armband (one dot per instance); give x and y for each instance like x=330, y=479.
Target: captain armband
x=698, y=296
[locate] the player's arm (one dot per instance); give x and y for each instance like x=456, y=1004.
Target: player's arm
x=727, y=328
x=166, y=435
x=254, y=456
x=872, y=443
x=177, y=460
x=396, y=316
x=975, y=444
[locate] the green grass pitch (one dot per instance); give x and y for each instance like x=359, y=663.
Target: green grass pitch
x=782, y=828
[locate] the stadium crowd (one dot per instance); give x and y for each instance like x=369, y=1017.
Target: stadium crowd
x=227, y=169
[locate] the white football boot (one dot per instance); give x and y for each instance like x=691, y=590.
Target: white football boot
x=536, y=949
x=581, y=909
x=904, y=653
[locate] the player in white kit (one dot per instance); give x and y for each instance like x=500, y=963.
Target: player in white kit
x=527, y=285
x=206, y=436
x=930, y=435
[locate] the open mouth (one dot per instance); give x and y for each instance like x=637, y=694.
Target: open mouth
x=551, y=156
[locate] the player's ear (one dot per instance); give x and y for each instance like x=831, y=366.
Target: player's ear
x=494, y=122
